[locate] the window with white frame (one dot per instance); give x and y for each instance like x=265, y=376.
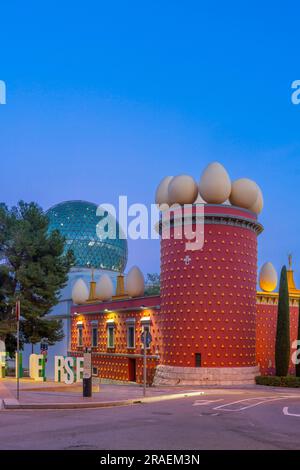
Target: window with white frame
x=94, y=334
x=110, y=335
x=131, y=335
x=79, y=335
x=146, y=329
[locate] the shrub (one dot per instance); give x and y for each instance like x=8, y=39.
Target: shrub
x=275, y=381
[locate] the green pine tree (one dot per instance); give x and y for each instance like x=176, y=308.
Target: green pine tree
x=7, y=319
x=33, y=269
x=298, y=365
x=282, y=344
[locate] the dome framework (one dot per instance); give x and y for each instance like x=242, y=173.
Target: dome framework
x=77, y=221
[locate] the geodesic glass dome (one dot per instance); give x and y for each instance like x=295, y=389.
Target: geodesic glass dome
x=77, y=222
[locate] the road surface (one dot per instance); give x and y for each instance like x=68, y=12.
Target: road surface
x=222, y=419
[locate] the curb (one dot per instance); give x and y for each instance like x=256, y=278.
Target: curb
x=15, y=405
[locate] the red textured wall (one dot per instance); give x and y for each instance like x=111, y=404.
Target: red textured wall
x=266, y=334
x=209, y=306
x=116, y=368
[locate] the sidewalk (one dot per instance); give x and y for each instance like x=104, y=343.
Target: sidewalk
x=52, y=395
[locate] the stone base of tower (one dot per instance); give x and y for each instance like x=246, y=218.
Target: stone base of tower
x=169, y=375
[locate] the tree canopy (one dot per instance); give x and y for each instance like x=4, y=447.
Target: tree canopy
x=152, y=284
x=33, y=269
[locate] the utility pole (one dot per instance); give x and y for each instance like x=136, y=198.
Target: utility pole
x=145, y=362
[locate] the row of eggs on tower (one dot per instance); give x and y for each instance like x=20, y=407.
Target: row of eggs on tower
x=215, y=187
x=135, y=284
x=134, y=287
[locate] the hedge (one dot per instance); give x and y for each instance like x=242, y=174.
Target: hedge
x=274, y=381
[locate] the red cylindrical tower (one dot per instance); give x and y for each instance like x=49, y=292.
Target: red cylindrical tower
x=208, y=297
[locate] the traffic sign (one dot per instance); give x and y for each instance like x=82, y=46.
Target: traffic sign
x=148, y=338
x=44, y=346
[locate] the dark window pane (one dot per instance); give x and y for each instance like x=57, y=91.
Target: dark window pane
x=110, y=337
x=130, y=338
x=94, y=337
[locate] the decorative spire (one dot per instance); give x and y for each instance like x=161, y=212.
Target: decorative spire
x=120, y=290
x=290, y=261
x=92, y=293
x=290, y=277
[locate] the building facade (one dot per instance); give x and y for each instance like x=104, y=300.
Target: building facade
x=209, y=324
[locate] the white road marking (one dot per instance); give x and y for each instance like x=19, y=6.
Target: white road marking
x=286, y=412
x=261, y=400
x=206, y=402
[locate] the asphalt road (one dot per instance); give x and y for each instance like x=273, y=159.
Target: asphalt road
x=221, y=419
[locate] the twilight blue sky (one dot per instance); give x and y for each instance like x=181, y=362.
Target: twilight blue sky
x=105, y=98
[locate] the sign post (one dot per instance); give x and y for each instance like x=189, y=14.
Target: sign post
x=44, y=351
x=87, y=373
x=145, y=363
x=44, y=346
x=18, y=313
x=146, y=340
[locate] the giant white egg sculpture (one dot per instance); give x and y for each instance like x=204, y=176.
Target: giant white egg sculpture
x=104, y=288
x=80, y=292
x=215, y=184
x=134, y=282
x=257, y=207
x=268, y=277
x=244, y=193
x=182, y=189
x=161, y=195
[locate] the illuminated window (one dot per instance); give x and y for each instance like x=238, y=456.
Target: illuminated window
x=94, y=336
x=79, y=336
x=110, y=336
x=130, y=331
x=130, y=336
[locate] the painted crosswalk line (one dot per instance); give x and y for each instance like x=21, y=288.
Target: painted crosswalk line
x=287, y=413
x=206, y=402
x=247, y=403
